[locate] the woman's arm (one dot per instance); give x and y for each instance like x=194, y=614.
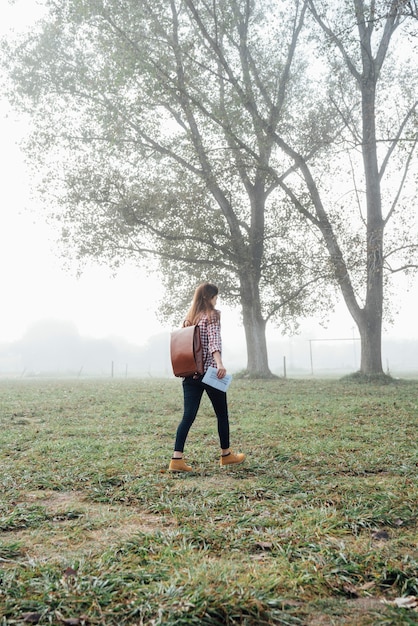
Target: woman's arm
x=218, y=360
x=215, y=342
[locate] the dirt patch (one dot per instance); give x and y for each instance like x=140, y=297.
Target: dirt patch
x=356, y=611
x=77, y=527
x=54, y=500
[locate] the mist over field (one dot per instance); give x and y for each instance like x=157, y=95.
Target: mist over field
x=56, y=348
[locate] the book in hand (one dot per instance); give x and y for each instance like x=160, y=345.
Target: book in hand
x=211, y=378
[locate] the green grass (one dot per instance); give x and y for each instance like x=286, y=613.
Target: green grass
x=319, y=526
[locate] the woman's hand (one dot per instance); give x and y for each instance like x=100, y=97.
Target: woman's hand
x=219, y=365
x=221, y=372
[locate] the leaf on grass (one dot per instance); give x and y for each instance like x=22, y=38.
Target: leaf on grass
x=69, y=572
x=31, y=618
x=68, y=621
x=264, y=545
x=381, y=535
x=261, y=556
x=407, y=602
x=367, y=586
x=350, y=590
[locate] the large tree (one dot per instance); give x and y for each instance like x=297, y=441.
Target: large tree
x=150, y=151
x=372, y=80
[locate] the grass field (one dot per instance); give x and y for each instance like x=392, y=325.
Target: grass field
x=319, y=526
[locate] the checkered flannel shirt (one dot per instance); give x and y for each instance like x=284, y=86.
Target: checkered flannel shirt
x=210, y=334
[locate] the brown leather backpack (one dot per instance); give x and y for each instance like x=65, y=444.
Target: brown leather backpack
x=186, y=351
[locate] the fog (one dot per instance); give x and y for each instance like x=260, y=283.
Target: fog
x=55, y=324
x=54, y=348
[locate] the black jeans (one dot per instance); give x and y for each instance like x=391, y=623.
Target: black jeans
x=193, y=389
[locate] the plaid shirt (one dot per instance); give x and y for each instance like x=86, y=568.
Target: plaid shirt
x=210, y=334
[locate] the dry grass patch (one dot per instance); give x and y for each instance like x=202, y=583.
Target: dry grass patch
x=78, y=528
x=365, y=611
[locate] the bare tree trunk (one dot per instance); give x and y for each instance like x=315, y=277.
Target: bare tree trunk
x=370, y=326
x=255, y=329
x=257, y=361
x=370, y=322
x=371, y=340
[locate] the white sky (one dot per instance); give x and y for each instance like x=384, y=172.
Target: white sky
x=35, y=287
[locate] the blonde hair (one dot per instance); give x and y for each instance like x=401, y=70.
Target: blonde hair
x=202, y=304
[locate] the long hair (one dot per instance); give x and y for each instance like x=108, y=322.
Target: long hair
x=201, y=303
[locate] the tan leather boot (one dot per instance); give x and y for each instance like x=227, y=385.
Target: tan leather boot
x=179, y=465
x=231, y=458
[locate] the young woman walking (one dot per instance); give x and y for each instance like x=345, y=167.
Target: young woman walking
x=203, y=313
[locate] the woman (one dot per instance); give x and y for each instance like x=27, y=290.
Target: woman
x=203, y=313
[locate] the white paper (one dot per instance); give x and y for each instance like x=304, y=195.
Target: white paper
x=211, y=378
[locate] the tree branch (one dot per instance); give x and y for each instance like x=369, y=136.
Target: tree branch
x=333, y=37
x=395, y=140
